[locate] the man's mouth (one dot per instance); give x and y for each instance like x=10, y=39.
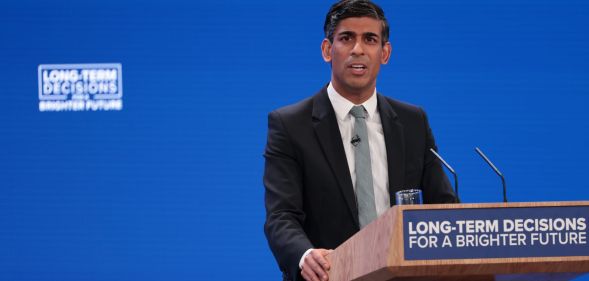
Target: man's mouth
x=358, y=69
x=358, y=66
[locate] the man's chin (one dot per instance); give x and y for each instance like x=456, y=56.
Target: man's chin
x=360, y=86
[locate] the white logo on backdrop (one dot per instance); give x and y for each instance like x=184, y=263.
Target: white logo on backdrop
x=80, y=87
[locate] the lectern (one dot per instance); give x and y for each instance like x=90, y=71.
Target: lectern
x=494, y=241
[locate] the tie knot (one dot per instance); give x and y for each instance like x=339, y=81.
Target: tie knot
x=358, y=111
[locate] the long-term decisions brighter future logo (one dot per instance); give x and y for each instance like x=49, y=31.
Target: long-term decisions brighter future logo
x=80, y=87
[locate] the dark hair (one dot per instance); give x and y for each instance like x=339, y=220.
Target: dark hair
x=351, y=9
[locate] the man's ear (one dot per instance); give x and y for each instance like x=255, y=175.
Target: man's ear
x=386, y=52
x=326, y=50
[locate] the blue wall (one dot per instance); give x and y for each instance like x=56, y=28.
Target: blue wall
x=170, y=187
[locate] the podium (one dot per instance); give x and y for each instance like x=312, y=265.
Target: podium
x=446, y=242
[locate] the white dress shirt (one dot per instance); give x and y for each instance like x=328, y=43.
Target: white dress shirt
x=378, y=150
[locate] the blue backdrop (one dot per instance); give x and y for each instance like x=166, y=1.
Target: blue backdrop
x=170, y=187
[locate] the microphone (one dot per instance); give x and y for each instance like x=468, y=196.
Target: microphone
x=496, y=171
x=355, y=140
x=451, y=171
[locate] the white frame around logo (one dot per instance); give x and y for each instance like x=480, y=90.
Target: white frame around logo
x=118, y=66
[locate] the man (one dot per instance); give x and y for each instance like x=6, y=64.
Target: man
x=335, y=160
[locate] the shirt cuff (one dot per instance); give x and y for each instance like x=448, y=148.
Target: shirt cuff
x=303, y=258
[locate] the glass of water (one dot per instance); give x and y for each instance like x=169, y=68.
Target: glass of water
x=409, y=197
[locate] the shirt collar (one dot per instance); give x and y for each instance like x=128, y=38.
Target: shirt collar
x=342, y=106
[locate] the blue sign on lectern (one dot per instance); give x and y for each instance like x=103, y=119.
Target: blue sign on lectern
x=516, y=232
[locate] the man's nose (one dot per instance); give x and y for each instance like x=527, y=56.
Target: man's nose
x=358, y=48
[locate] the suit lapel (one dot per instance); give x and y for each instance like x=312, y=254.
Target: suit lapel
x=328, y=134
x=395, y=144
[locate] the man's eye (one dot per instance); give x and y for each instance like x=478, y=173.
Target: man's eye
x=371, y=40
x=344, y=38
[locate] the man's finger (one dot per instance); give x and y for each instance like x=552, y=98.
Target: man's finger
x=312, y=262
x=309, y=274
x=319, y=257
x=306, y=275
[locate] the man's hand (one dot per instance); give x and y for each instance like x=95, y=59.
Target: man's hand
x=315, y=265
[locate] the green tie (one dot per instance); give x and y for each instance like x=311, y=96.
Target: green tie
x=364, y=188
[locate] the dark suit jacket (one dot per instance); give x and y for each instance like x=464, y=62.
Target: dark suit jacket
x=310, y=201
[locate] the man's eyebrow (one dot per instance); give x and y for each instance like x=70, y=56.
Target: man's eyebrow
x=352, y=33
x=371, y=34
x=347, y=32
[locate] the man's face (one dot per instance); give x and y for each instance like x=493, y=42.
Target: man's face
x=356, y=54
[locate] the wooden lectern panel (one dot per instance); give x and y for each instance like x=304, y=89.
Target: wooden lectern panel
x=377, y=253
x=371, y=244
